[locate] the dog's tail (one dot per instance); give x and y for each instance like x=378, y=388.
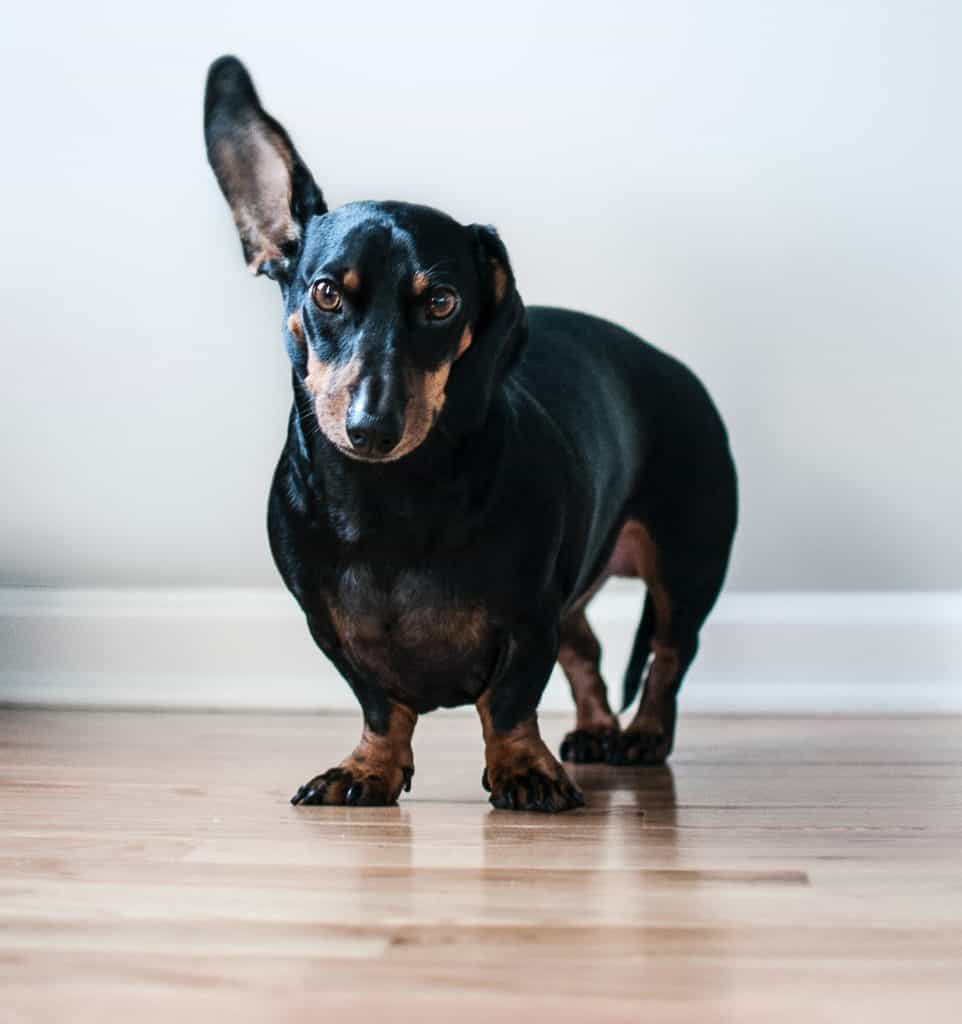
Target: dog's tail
x=640, y=650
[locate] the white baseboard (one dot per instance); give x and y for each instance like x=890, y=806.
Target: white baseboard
x=760, y=652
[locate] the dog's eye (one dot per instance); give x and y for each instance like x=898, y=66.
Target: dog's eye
x=442, y=302
x=326, y=295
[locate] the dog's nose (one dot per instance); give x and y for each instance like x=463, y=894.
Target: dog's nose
x=374, y=436
x=375, y=419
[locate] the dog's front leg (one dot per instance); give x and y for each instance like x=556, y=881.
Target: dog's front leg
x=374, y=773
x=520, y=771
x=382, y=764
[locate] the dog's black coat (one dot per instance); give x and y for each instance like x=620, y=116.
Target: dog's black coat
x=445, y=575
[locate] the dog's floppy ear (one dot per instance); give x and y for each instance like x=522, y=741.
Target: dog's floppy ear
x=499, y=335
x=502, y=324
x=494, y=270
x=269, y=189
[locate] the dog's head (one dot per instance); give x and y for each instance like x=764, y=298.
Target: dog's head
x=394, y=312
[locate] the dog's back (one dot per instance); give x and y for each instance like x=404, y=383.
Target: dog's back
x=639, y=423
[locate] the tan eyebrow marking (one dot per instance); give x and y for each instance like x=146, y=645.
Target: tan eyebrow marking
x=466, y=338
x=420, y=283
x=500, y=281
x=295, y=326
x=351, y=280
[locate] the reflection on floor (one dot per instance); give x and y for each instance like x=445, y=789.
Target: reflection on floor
x=782, y=869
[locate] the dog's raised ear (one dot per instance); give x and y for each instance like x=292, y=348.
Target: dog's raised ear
x=269, y=189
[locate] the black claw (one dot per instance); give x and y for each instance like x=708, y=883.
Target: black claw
x=485, y=784
x=547, y=792
x=408, y=774
x=536, y=791
x=302, y=791
x=544, y=795
x=583, y=747
x=354, y=793
x=540, y=789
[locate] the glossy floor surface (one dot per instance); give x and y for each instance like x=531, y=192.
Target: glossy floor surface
x=783, y=869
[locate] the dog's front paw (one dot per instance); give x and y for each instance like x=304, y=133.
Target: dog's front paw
x=589, y=746
x=351, y=784
x=541, y=786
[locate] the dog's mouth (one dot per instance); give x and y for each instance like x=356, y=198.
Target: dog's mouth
x=356, y=456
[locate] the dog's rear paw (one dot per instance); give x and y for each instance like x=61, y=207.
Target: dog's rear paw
x=589, y=746
x=348, y=784
x=640, y=746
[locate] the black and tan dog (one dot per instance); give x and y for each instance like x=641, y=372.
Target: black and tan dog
x=461, y=475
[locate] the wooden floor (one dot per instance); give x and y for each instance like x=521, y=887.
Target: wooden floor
x=151, y=869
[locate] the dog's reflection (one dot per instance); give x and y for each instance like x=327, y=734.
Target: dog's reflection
x=630, y=814
x=648, y=791
x=588, y=872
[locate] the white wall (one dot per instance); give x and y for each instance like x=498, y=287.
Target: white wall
x=769, y=190
x=866, y=652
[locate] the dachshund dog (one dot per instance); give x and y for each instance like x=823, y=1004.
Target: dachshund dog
x=461, y=475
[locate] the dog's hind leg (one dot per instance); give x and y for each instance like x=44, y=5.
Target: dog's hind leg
x=682, y=560
x=596, y=727
x=679, y=610
x=649, y=738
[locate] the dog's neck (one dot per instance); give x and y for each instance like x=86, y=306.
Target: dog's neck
x=419, y=502
x=433, y=496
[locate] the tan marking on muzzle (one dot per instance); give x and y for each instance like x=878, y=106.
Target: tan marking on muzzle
x=333, y=388
x=425, y=400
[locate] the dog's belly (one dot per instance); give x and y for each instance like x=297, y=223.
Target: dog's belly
x=426, y=646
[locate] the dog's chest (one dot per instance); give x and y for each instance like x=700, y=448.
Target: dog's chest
x=422, y=639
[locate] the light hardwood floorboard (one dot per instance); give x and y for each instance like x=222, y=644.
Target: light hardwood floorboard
x=782, y=869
